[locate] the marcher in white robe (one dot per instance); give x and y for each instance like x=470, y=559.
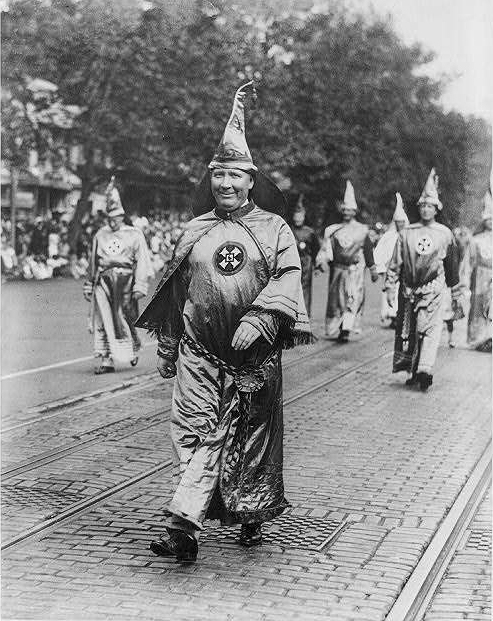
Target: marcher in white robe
x=382, y=254
x=347, y=250
x=118, y=278
x=423, y=265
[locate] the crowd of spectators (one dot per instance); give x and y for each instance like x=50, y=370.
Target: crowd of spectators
x=42, y=247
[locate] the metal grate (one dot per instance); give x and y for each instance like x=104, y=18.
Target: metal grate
x=37, y=499
x=479, y=540
x=290, y=531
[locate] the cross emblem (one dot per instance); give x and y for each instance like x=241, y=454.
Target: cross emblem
x=230, y=258
x=113, y=246
x=424, y=245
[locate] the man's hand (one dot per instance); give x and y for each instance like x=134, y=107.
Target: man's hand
x=245, y=335
x=166, y=368
x=319, y=268
x=138, y=295
x=373, y=274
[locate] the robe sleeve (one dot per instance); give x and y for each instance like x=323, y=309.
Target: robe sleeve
x=451, y=268
x=394, y=268
x=172, y=326
x=314, y=246
x=368, y=253
x=143, y=268
x=279, y=299
x=325, y=254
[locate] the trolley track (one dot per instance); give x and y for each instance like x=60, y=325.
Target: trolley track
x=134, y=384
x=78, y=508
x=113, y=430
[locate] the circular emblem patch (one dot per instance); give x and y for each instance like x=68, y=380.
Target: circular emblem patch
x=230, y=258
x=424, y=245
x=302, y=245
x=114, y=246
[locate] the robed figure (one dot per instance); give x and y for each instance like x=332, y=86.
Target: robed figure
x=229, y=302
x=118, y=277
x=479, y=254
x=423, y=265
x=308, y=248
x=347, y=251
x=383, y=253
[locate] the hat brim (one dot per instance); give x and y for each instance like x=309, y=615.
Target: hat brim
x=118, y=211
x=265, y=194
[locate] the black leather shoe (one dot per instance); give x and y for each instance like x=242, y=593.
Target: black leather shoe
x=182, y=546
x=343, y=336
x=425, y=381
x=412, y=381
x=251, y=535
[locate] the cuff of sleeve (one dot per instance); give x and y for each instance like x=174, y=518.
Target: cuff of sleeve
x=140, y=287
x=456, y=292
x=168, y=348
x=266, y=323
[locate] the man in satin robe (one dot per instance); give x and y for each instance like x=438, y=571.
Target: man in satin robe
x=308, y=247
x=423, y=265
x=230, y=300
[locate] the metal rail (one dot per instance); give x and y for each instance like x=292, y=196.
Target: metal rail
x=110, y=430
x=413, y=600
x=81, y=506
x=134, y=384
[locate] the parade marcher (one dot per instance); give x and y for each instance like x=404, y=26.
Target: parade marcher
x=308, y=247
x=479, y=321
x=383, y=253
x=229, y=301
x=118, y=275
x=423, y=265
x=347, y=250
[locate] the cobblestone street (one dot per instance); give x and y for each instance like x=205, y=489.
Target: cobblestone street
x=372, y=468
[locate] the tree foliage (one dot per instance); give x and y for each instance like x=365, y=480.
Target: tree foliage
x=339, y=96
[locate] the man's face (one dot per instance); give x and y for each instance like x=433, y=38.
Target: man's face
x=115, y=222
x=427, y=211
x=298, y=218
x=348, y=213
x=230, y=187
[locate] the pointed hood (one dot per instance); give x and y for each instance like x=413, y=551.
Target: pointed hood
x=233, y=151
x=114, y=205
x=399, y=213
x=349, y=197
x=487, y=206
x=430, y=191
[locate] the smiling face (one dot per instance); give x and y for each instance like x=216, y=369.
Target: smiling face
x=427, y=212
x=115, y=222
x=230, y=187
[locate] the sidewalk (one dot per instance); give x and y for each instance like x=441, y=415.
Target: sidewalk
x=381, y=462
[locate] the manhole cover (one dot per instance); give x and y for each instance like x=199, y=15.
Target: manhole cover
x=293, y=531
x=479, y=540
x=36, y=499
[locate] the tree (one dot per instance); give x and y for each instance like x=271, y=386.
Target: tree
x=339, y=96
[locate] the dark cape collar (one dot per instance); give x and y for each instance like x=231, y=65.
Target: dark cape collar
x=236, y=214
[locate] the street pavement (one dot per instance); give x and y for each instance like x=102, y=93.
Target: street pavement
x=46, y=347
x=368, y=461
